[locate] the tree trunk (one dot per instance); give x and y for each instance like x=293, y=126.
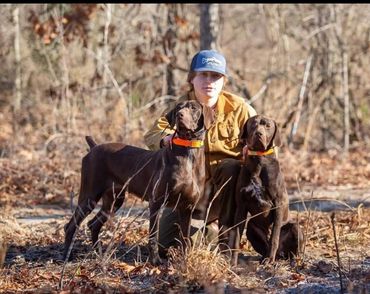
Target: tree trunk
x=346, y=128
x=209, y=26
x=106, y=54
x=169, y=44
x=17, y=54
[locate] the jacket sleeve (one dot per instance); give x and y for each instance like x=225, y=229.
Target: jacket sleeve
x=251, y=110
x=158, y=131
x=247, y=112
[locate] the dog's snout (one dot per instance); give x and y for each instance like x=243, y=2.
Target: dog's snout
x=259, y=133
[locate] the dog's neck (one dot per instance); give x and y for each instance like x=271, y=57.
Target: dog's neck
x=184, y=145
x=188, y=143
x=255, y=160
x=261, y=153
x=186, y=154
x=191, y=139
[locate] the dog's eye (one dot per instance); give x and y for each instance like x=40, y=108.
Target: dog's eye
x=265, y=123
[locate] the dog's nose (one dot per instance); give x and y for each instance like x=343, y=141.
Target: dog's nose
x=259, y=133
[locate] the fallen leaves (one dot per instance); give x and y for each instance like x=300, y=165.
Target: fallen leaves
x=202, y=267
x=298, y=277
x=35, y=247
x=326, y=169
x=324, y=267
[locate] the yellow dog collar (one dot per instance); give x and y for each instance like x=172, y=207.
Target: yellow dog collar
x=261, y=153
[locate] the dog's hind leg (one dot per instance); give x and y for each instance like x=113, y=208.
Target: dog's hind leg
x=111, y=203
x=80, y=213
x=291, y=241
x=258, y=238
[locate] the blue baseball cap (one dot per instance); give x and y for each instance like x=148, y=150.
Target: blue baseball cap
x=208, y=60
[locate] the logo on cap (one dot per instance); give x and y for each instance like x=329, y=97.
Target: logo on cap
x=211, y=61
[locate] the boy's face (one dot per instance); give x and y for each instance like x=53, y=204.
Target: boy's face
x=207, y=85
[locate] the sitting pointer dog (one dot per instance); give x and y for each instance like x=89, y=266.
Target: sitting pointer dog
x=173, y=176
x=260, y=190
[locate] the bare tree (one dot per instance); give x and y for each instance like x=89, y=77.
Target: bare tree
x=17, y=54
x=169, y=44
x=209, y=26
x=306, y=65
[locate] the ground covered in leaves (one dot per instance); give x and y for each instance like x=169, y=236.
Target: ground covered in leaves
x=35, y=204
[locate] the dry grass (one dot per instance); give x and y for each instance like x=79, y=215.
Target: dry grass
x=200, y=265
x=34, y=250
x=201, y=268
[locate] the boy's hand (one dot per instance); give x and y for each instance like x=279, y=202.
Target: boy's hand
x=166, y=141
x=245, y=152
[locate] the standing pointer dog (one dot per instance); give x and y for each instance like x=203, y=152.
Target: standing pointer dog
x=260, y=190
x=173, y=176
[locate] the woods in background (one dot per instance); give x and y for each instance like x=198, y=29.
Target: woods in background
x=74, y=69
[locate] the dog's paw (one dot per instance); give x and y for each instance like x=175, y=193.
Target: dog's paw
x=65, y=257
x=268, y=261
x=156, y=260
x=256, y=191
x=98, y=247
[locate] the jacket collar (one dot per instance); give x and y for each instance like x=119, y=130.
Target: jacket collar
x=221, y=102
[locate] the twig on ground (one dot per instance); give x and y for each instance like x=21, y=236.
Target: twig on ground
x=337, y=251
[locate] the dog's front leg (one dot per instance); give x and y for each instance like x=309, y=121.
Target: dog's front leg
x=154, y=208
x=237, y=232
x=275, y=234
x=184, y=223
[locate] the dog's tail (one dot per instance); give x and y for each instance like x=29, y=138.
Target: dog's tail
x=90, y=141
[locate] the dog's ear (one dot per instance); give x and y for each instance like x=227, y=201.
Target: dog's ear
x=276, y=140
x=201, y=125
x=244, y=135
x=171, y=117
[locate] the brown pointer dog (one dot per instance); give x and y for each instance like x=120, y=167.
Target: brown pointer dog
x=172, y=176
x=260, y=190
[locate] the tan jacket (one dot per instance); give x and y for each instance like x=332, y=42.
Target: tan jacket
x=222, y=137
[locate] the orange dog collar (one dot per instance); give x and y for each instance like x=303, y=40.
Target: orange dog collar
x=188, y=143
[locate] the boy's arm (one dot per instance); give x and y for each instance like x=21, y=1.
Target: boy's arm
x=157, y=132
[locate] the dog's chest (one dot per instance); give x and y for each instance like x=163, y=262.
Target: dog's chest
x=258, y=187
x=186, y=181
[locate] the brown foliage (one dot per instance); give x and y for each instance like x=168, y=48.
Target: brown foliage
x=74, y=24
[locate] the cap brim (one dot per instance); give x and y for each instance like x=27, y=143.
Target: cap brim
x=210, y=69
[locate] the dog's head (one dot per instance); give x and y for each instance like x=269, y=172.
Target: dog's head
x=187, y=116
x=260, y=133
